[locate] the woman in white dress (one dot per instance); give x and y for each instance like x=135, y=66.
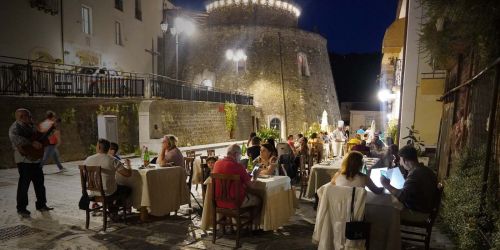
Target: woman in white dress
x=350, y=174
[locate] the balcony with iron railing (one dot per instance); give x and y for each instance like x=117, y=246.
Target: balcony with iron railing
x=40, y=78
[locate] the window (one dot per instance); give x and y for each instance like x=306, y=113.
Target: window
x=118, y=33
x=242, y=66
x=303, y=65
x=138, y=10
x=275, y=124
x=119, y=4
x=208, y=83
x=86, y=20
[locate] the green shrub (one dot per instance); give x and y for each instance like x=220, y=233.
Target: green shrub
x=314, y=128
x=461, y=201
x=231, y=117
x=265, y=133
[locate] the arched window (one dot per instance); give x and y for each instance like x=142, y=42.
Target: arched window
x=303, y=64
x=275, y=124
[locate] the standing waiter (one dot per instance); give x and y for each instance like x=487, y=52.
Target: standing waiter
x=21, y=134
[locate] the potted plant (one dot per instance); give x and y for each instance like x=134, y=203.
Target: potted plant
x=231, y=115
x=266, y=133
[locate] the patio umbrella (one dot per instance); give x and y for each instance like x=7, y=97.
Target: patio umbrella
x=324, y=121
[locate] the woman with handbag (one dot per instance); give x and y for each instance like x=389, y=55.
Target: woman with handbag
x=350, y=174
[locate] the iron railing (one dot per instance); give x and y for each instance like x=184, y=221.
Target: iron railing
x=40, y=78
x=164, y=87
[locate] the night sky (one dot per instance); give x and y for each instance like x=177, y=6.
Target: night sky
x=351, y=26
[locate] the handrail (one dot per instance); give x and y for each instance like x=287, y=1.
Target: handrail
x=470, y=81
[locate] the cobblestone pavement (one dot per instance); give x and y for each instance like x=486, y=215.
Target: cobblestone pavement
x=64, y=227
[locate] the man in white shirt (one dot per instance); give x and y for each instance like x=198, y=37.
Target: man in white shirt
x=338, y=141
x=109, y=167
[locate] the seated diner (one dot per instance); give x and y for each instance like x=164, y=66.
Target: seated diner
x=170, y=155
x=350, y=174
x=267, y=160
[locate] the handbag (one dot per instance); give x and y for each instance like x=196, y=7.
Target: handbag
x=356, y=230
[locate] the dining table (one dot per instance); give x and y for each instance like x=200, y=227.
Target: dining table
x=278, y=202
x=156, y=190
x=382, y=211
x=322, y=173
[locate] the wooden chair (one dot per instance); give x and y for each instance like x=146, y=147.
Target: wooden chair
x=190, y=153
x=91, y=180
x=225, y=182
x=426, y=224
x=210, y=152
x=304, y=175
x=188, y=165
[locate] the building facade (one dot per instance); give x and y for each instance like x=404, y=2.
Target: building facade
x=257, y=48
x=407, y=72
x=110, y=33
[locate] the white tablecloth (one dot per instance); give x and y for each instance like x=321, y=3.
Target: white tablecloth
x=279, y=203
x=322, y=173
x=383, y=212
x=160, y=190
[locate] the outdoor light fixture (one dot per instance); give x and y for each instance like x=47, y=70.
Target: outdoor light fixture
x=385, y=95
x=286, y=6
x=181, y=25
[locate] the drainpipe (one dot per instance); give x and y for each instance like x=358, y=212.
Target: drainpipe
x=283, y=86
x=62, y=31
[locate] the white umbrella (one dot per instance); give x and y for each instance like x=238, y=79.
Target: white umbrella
x=324, y=121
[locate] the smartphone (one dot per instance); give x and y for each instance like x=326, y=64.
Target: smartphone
x=384, y=173
x=255, y=170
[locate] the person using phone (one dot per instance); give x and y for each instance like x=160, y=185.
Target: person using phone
x=419, y=192
x=267, y=160
x=350, y=174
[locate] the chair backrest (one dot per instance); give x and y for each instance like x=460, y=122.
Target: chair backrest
x=211, y=152
x=190, y=153
x=91, y=179
x=225, y=182
x=188, y=165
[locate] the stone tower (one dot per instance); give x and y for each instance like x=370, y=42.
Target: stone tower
x=255, y=46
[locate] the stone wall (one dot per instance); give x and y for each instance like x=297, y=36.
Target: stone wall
x=196, y=123
x=252, y=15
x=79, y=123
x=192, y=122
x=272, y=59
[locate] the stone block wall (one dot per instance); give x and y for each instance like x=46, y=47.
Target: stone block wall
x=194, y=123
x=272, y=58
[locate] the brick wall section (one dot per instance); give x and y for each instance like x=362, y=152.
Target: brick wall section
x=193, y=122
x=196, y=123
x=306, y=97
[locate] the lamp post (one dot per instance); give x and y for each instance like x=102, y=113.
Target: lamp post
x=236, y=56
x=181, y=25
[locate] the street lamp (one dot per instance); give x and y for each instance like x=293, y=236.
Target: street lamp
x=385, y=95
x=236, y=56
x=181, y=25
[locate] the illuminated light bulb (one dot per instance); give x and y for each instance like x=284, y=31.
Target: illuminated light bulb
x=278, y=4
x=271, y=2
x=285, y=5
x=229, y=2
x=263, y=2
x=245, y=2
x=222, y=3
x=216, y=4
x=237, y=2
x=254, y=1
